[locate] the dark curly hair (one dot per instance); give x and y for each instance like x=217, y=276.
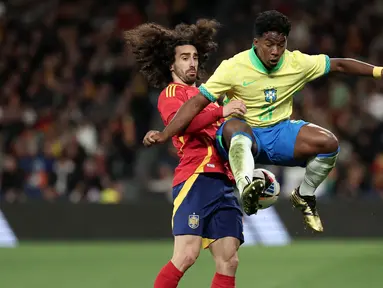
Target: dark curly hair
x=271, y=21
x=154, y=47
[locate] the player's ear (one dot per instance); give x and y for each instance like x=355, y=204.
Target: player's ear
x=171, y=67
x=255, y=42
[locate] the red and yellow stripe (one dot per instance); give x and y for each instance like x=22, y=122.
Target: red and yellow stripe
x=171, y=90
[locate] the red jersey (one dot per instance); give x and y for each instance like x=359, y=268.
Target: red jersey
x=196, y=145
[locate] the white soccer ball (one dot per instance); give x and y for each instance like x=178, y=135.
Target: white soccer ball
x=272, y=188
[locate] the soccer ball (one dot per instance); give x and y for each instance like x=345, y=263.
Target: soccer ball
x=272, y=188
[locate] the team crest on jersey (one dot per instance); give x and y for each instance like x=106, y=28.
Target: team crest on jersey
x=193, y=221
x=270, y=95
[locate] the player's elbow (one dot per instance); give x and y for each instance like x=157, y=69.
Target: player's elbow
x=339, y=65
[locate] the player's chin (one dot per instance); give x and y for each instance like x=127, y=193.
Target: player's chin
x=190, y=79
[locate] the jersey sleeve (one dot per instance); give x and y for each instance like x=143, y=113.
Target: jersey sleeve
x=219, y=83
x=170, y=100
x=315, y=66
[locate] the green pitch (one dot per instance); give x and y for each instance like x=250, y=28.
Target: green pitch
x=311, y=264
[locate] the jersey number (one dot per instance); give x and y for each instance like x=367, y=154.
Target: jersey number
x=267, y=113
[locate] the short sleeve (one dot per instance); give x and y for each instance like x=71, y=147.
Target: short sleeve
x=170, y=100
x=315, y=66
x=219, y=83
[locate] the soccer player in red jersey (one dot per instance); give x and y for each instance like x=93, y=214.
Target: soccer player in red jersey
x=206, y=211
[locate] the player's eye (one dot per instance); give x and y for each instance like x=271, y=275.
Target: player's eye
x=184, y=58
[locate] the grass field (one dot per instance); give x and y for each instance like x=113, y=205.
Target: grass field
x=124, y=265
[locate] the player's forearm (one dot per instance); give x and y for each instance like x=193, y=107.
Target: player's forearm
x=205, y=119
x=185, y=115
x=354, y=67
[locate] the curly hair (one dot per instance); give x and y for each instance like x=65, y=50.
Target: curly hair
x=271, y=21
x=154, y=47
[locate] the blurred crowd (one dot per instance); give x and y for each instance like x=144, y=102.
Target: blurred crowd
x=73, y=109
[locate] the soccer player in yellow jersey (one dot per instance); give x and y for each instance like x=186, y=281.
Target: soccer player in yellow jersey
x=266, y=77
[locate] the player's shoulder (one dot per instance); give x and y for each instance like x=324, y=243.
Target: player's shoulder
x=300, y=56
x=294, y=55
x=173, y=90
x=296, y=59
x=233, y=62
x=240, y=57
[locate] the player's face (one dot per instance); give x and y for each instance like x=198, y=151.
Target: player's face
x=270, y=48
x=185, y=66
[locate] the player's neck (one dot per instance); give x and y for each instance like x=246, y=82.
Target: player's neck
x=179, y=81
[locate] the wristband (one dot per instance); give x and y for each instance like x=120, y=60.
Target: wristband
x=377, y=72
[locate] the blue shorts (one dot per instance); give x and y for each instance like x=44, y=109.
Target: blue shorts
x=205, y=205
x=275, y=143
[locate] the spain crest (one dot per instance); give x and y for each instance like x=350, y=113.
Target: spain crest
x=270, y=95
x=193, y=221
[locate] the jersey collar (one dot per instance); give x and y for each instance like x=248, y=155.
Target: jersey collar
x=257, y=63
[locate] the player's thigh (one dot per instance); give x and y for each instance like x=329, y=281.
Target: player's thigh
x=283, y=139
x=187, y=246
x=229, y=129
x=225, y=221
x=225, y=249
x=313, y=140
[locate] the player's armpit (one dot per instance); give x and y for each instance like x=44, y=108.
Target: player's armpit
x=351, y=66
x=185, y=115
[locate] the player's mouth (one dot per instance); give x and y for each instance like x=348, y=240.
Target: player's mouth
x=274, y=61
x=191, y=73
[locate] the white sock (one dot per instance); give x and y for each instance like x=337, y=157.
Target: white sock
x=241, y=160
x=317, y=170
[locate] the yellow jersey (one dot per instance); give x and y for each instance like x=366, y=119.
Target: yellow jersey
x=268, y=94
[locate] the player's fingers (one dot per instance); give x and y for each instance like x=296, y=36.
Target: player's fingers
x=242, y=109
x=146, y=143
x=238, y=111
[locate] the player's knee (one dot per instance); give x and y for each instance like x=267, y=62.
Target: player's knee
x=189, y=257
x=330, y=144
x=228, y=264
x=185, y=259
x=233, y=127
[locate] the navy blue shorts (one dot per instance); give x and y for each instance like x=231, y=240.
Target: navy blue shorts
x=205, y=205
x=275, y=143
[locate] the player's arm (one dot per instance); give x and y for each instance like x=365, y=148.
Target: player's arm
x=169, y=106
x=202, y=120
x=354, y=67
x=319, y=65
x=219, y=83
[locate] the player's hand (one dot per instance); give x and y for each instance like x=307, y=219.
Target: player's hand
x=154, y=137
x=148, y=139
x=234, y=107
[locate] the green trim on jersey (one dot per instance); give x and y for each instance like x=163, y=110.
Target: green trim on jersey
x=207, y=94
x=259, y=65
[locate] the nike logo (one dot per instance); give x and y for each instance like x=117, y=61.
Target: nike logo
x=247, y=83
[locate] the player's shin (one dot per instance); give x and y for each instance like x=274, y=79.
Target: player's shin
x=168, y=277
x=241, y=160
x=317, y=170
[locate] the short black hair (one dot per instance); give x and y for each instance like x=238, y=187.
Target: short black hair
x=271, y=21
